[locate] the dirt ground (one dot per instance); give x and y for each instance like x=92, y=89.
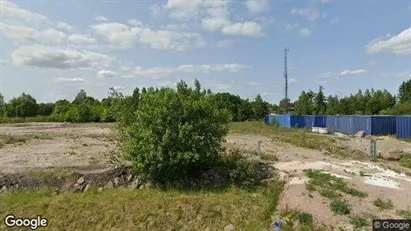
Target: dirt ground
x=378, y=182
x=56, y=145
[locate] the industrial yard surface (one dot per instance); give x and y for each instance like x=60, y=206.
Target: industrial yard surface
x=329, y=181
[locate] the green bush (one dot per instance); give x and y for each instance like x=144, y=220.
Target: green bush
x=174, y=133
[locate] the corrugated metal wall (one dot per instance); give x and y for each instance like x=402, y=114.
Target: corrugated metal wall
x=283, y=120
x=372, y=125
x=403, y=127
x=383, y=125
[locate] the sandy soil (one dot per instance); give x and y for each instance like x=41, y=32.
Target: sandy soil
x=54, y=145
x=379, y=182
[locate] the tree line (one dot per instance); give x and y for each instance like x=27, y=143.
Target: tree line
x=369, y=102
x=117, y=106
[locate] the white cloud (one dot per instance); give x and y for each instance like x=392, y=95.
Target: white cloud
x=100, y=19
x=107, y=74
x=311, y=14
x=214, y=15
x=224, y=86
x=257, y=6
x=400, y=74
x=321, y=1
x=253, y=83
x=135, y=22
x=224, y=43
x=158, y=72
x=52, y=35
x=155, y=10
x=372, y=63
x=119, y=35
x=353, y=72
x=290, y=26
x=167, y=84
x=64, y=26
x=305, y=32
x=170, y=40
x=118, y=88
x=81, y=39
x=251, y=29
x=335, y=20
x=292, y=81
x=399, y=44
x=20, y=33
x=181, y=26
x=69, y=80
x=11, y=11
x=59, y=58
x=214, y=23
x=181, y=9
x=327, y=75
x=123, y=36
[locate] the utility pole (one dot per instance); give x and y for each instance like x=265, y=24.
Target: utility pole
x=286, y=81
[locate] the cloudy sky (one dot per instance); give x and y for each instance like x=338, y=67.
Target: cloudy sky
x=52, y=49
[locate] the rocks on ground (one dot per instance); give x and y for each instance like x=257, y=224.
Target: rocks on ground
x=229, y=227
x=360, y=134
x=394, y=155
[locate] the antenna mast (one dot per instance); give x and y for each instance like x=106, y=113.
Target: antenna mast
x=286, y=80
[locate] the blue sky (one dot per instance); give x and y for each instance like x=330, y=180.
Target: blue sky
x=52, y=49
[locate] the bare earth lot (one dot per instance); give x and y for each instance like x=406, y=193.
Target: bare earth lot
x=55, y=145
x=28, y=147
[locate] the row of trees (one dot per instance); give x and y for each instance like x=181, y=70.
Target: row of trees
x=85, y=108
x=369, y=102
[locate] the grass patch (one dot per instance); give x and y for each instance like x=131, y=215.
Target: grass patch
x=296, y=220
x=11, y=139
x=406, y=161
x=269, y=157
x=406, y=214
x=358, y=222
x=298, y=137
x=380, y=203
x=148, y=209
x=340, y=207
x=329, y=186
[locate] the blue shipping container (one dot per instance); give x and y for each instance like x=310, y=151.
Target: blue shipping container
x=371, y=125
x=403, y=127
x=383, y=125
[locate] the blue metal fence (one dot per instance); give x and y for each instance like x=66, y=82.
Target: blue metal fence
x=372, y=125
x=403, y=127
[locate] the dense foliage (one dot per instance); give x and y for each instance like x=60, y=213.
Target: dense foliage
x=85, y=108
x=173, y=134
x=371, y=102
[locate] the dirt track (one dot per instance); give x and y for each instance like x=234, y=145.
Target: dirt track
x=379, y=181
x=92, y=147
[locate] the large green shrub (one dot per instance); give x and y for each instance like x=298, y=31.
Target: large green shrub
x=174, y=133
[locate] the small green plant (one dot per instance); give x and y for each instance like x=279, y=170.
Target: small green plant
x=406, y=161
x=404, y=213
x=340, y=207
x=380, y=203
x=305, y=218
x=269, y=157
x=358, y=222
x=328, y=185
